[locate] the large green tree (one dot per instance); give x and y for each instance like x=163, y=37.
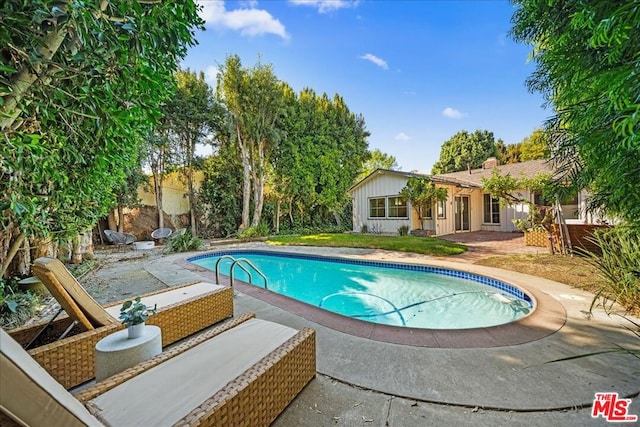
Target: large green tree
x=253, y=97
x=377, y=160
x=535, y=146
x=465, y=150
x=80, y=85
x=586, y=55
x=322, y=148
x=188, y=119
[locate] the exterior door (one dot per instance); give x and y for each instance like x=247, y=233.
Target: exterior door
x=461, y=213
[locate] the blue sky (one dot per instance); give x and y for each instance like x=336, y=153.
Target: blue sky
x=418, y=71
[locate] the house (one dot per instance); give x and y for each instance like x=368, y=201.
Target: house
x=378, y=206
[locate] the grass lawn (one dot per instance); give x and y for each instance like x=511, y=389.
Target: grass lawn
x=419, y=245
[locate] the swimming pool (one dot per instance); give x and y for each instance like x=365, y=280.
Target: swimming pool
x=407, y=295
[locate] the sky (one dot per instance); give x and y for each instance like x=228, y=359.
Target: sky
x=418, y=71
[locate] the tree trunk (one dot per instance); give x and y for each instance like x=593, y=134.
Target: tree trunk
x=76, y=250
x=21, y=265
x=277, y=218
x=258, y=186
x=112, y=220
x=120, y=219
x=291, y=211
x=157, y=185
x=192, y=202
x=337, y=218
x=246, y=185
x=87, y=246
x=14, y=247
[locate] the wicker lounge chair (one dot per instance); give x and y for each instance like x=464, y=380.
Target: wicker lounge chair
x=182, y=311
x=243, y=372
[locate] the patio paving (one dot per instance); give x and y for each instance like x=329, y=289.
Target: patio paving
x=373, y=383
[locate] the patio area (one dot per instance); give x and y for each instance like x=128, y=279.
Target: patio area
x=368, y=382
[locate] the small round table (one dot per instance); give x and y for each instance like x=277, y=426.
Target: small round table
x=117, y=352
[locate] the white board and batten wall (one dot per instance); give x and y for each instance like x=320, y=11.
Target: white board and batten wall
x=373, y=187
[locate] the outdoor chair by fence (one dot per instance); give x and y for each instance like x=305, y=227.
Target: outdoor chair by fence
x=182, y=311
x=117, y=238
x=161, y=233
x=244, y=372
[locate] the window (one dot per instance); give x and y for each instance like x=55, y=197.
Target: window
x=377, y=208
x=442, y=209
x=541, y=201
x=428, y=212
x=491, y=210
x=397, y=207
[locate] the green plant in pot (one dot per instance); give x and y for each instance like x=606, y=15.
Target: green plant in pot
x=133, y=314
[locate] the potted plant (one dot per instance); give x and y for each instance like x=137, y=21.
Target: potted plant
x=133, y=314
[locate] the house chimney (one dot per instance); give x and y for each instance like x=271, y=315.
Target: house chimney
x=490, y=163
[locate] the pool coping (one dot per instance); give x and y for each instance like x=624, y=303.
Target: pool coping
x=547, y=317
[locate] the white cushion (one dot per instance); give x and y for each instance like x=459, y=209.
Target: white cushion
x=30, y=396
x=168, y=392
x=172, y=296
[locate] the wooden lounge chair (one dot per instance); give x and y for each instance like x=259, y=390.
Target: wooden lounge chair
x=182, y=311
x=243, y=372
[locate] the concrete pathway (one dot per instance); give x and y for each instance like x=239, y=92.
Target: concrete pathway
x=371, y=383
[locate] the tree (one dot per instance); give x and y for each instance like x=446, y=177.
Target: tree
x=188, y=117
x=158, y=158
x=220, y=193
x=253, y=98
x=465, y=150
x=506, y=189
x=586, y=56
x=80, y=86
x=535, y=146
x=322, y=148
x=377, y=160
x=512, y=153
x=422, y=193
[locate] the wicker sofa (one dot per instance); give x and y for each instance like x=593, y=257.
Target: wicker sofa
x=182, y=311
x=244, y=371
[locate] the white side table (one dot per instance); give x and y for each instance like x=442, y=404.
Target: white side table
x=116, y=352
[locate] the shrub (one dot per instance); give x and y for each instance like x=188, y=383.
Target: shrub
x=375, y=229
x=403, y=230
x=618, y=267
x=364, y=229
x=16, y=307
x=183, y=241
x=261, y=230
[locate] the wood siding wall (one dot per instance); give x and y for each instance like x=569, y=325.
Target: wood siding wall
x=378, y=187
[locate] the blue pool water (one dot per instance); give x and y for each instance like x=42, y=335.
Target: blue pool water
x=407, y=295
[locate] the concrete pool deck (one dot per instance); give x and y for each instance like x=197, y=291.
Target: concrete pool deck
x=367, y=382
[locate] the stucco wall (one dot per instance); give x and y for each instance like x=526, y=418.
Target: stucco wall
x=174, y=193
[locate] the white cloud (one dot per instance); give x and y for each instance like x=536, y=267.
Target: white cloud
x=402, y=137
x=211, y=75
x=325, y=6
x=378, y=61
x=452, y=113
x=247, y=21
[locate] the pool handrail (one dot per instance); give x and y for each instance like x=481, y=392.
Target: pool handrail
x=238, y=261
